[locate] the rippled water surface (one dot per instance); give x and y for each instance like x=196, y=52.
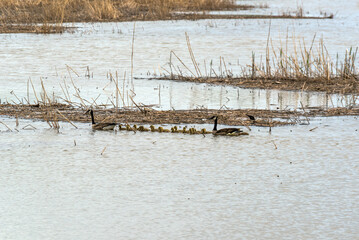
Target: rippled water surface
x=291, y=184
x=299, y=182
x=106, y=48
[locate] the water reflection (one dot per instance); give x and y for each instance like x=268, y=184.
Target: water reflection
x=102, y=49
x=165, y=95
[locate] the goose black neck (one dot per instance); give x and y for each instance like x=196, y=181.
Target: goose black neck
x=92, y=118
x=215, y=124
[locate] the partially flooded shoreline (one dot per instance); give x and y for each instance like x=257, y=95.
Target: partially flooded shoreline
x=236, y=117
x=50, y=16
x=151, y=163
x=331, y=86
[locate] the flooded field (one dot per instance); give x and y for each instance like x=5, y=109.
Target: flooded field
x=297, y=182
x=106, y=48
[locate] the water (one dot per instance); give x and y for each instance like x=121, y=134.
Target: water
x=106, y=48
x=291, y=184
x=300, y=182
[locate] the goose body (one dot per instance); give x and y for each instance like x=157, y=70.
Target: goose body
x=226, y=131
x=101, y=126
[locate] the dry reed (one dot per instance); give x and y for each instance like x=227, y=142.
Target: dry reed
x=310, y=68
x=59, y=11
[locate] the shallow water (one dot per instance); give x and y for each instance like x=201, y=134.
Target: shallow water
x=160, y=186
x=106, y=48
x=299, y=182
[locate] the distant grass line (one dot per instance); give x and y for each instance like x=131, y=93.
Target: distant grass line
x=51, y=14
x=59, y=11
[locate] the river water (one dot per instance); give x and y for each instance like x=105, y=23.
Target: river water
x=299, y=182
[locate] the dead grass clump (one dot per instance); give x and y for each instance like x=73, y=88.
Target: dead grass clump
x=61, y=112
x=301, y=68
x=58, y=11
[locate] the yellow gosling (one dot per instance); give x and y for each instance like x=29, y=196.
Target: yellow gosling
x=174, y=129
x=184, y=130
x=153, y=129
x=143, y=129
x=128, y=127
x=161, y=129
x=193, y=131
x=204, y=131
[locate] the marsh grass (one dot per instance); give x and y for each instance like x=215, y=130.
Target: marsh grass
x=48, y=16
x=303, y=66
x=59, y=11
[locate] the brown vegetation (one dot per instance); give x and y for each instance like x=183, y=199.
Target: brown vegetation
x=229, y=117
x=307, y=69
x=59, y=11
x=267, y=118
x=53, y=13
x=335, y=85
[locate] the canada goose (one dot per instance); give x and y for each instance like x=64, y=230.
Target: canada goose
x=237, y=134
x=100, y=126
x=225, y=131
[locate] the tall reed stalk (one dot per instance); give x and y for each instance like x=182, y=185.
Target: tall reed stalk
x=302, y=62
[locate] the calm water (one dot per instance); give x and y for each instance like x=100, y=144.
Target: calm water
x=291, y=184
x=106, y=48
x=160, y=186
